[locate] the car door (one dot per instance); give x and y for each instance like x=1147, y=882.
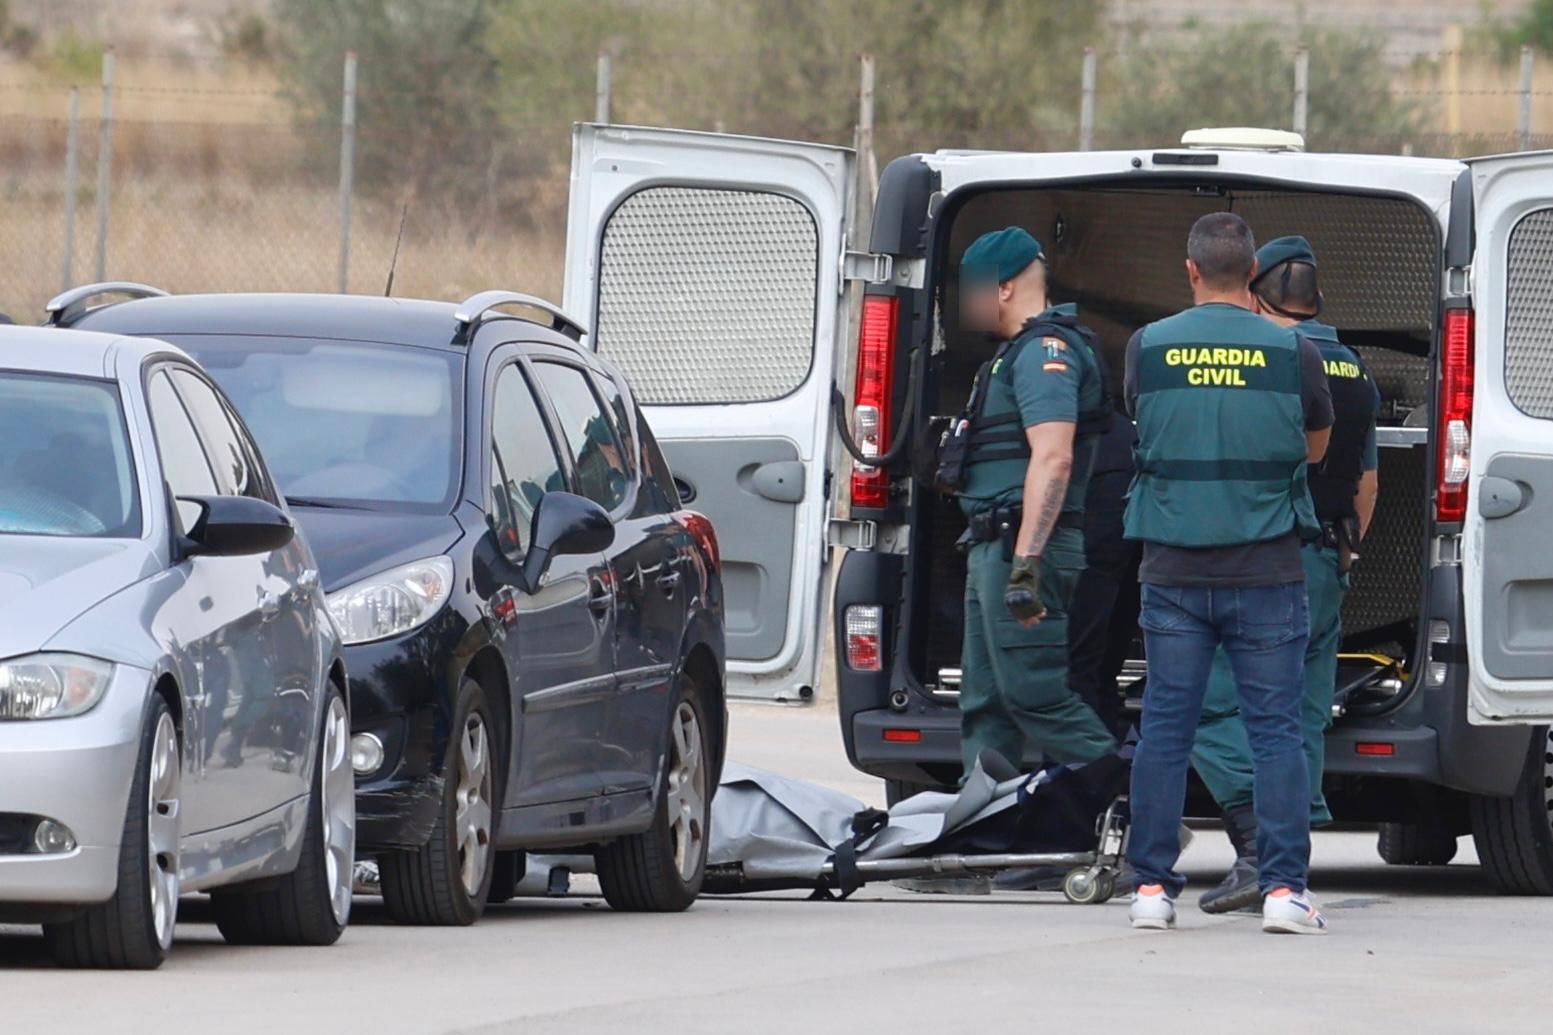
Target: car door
x=644, y=565
x=1507, y=566
x=278, y=724
x=558, y=640
x=709, y=269
x=216, y=617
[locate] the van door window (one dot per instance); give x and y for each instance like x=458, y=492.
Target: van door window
x=602, y=474
x=708, y=296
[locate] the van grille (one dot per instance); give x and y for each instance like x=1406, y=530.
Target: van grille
x=1529, y=315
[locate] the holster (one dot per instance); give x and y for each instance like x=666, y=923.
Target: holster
x=1347, y=544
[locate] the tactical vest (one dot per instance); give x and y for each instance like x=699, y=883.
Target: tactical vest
x=1335, y=480
x=1221, y=432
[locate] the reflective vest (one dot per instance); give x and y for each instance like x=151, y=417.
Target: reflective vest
x=1221, y=432
x=1335, y=480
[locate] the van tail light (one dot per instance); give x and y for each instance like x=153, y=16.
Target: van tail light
x=874, y=388
x=864, y=628
x=1455, y=427
x=703, y=533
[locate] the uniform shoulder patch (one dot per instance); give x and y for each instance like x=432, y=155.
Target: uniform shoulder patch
x=1054, y=345
x=1055, y=366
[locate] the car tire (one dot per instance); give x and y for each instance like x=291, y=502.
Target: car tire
x=1514, y=835
x=661, y=869
x=446, y=881
x=311, y=904
x=897, y=791
x=134, y=929
x=1416, y=844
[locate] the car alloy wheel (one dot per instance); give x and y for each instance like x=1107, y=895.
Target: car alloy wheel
x=472, y=821
x=339, y=810
x=687, y=791
x=162, y=829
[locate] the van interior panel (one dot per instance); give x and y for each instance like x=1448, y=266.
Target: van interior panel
x=1120, y=254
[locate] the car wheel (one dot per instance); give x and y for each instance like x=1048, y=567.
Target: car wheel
x=310, y=905
x=1514, y=835
x=661, y=869
x=1416, y=844
x=134, y=929
x=446, y=881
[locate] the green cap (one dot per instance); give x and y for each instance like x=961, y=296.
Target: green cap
x=1003, y=254
x=1281, y=250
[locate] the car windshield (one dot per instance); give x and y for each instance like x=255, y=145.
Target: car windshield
x=65, y=463
x=345, y=423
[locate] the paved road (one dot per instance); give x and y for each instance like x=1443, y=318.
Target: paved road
x=1412, y=950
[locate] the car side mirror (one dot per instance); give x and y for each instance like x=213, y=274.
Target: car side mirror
x=564, y=524
x=234, y=526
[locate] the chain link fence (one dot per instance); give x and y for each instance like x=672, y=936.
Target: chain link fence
x=240, y=195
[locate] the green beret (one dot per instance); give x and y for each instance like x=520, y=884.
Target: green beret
x=1002, y=253
x=1281, y=250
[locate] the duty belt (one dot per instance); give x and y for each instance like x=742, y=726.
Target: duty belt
x=1342, y=536
x=989, y=526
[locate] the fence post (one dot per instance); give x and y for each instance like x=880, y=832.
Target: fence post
x=1301, y=89
x=347, y=165
x=602, y=92
x=1528, y=57
x=72, y=169
x=867, y=170
x=1453, y=43
x=1086, y=107
x=104, y=163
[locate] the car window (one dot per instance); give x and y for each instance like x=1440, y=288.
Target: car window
x=619, y=419
x=184, y=464
x=65, y=462
x=656, y=473
x=352, y=424
x=602, y=475
x=524, y=465
x=230, y=457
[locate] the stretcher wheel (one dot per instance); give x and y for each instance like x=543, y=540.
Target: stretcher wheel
x=1085, y=888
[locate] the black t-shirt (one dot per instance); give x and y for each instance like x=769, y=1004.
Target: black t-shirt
x=1271, y=563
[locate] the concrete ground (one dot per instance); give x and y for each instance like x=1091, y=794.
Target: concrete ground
x=1426, y=950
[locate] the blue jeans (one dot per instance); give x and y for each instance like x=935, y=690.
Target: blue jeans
x=1264, y=629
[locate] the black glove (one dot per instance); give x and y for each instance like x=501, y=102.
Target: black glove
x=1023, y=595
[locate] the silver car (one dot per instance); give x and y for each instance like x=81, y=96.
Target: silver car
x=173, y=713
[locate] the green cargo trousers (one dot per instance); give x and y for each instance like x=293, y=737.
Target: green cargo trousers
x=1014, y=687
x=1222, y=753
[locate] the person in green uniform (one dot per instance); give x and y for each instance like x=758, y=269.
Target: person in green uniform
x=1031, y=446
x=1231, y=408
x=1343, y=487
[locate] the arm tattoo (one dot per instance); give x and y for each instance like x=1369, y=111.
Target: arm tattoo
x=1046, y=518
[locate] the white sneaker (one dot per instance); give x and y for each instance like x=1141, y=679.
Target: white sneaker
x=1152, y=909
x=1284, y=912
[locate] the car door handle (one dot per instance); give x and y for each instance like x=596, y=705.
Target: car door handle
x=269, y=605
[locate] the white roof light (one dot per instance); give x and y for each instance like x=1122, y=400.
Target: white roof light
x=1243, y=138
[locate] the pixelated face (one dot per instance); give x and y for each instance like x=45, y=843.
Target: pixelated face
x=979, y=299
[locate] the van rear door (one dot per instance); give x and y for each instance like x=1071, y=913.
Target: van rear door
x=1508, y=528
x=709, y=269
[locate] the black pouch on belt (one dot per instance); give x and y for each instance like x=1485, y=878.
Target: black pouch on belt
x=1009, y=532
x=1347, y=535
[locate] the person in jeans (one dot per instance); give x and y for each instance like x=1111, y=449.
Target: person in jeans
x=1230, y=408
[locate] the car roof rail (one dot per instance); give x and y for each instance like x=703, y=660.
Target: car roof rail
x=472, y=309
x=68, y=306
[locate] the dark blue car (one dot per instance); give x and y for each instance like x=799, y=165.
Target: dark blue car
x=534, y=624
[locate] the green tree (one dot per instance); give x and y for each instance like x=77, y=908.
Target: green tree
x=1534, y=26
x=425, y=82
x=1244, y=76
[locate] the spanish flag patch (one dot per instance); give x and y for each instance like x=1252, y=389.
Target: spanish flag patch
x=1054, y=367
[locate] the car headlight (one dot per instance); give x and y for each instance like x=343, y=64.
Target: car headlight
x=51, y=686
x=392, y=602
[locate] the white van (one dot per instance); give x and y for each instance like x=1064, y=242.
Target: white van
x=714, y=270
